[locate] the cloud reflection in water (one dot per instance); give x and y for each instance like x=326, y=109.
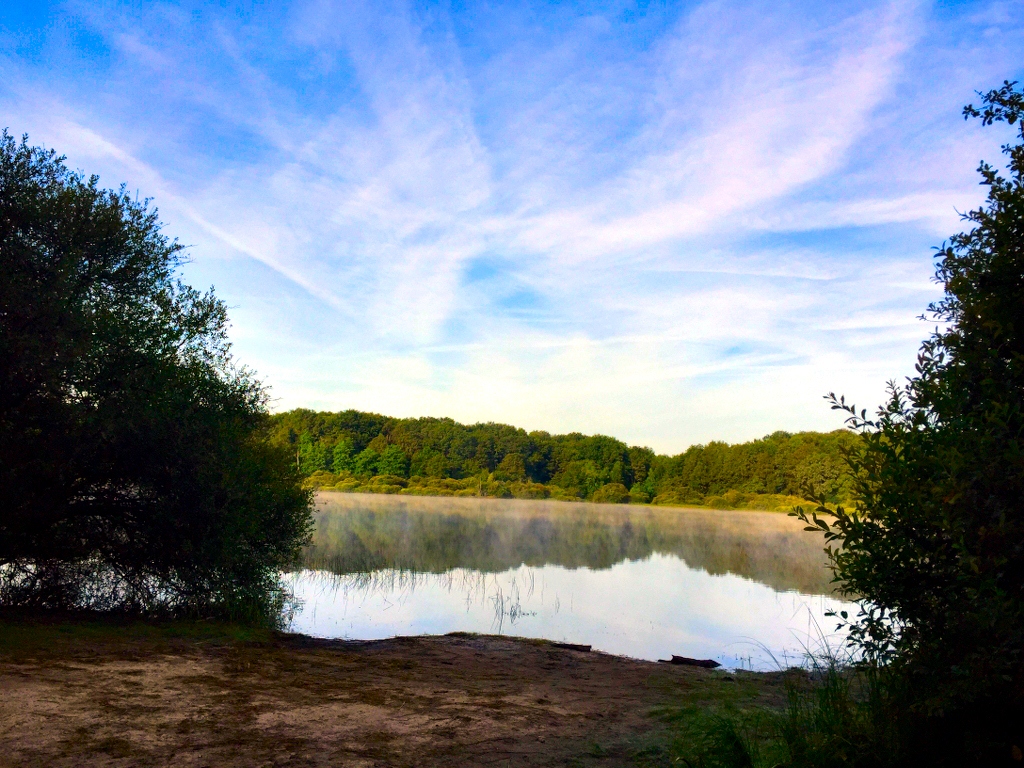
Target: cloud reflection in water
x=644, y=582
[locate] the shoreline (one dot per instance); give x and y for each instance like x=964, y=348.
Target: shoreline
x=190, y=693
x=562, y=502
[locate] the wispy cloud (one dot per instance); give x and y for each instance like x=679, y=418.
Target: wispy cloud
x=669, y=225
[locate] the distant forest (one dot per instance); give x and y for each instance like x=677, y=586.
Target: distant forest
x=356, y=451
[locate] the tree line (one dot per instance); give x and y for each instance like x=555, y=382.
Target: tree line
x=355, y=450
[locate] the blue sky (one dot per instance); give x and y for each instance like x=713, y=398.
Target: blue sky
x=667, y=222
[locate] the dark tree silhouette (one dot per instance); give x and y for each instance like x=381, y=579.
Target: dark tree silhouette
x=135, y=470
x=935, y=546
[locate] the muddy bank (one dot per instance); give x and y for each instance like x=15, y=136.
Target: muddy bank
x=194, y=695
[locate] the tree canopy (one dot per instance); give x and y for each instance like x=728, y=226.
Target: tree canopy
x=429, y=455
x=934, y=546
x=135, y=468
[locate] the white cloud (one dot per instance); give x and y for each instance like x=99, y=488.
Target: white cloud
x=676, y=241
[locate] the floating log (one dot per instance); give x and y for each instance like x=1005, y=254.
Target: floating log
x=572, y=647
x=705, y=663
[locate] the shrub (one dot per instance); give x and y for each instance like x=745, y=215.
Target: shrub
x=528, y=490
x=611, y=493
x=135, y=467
x=934, y=546
x=638, y=495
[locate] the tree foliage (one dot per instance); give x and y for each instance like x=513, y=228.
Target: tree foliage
x=135, y=468
x=780, y=466
x=934, y=546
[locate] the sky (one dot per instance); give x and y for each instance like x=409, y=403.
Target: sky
x=667, y=222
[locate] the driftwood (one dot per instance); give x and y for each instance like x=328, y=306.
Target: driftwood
x=705, y=663
x=572, y=647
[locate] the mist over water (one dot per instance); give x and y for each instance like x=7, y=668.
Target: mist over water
x=746, y=588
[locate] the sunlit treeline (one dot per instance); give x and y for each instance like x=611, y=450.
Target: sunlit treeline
x=353, y=450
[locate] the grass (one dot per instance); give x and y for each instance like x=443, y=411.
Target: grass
x=42, y=634
x=835, y=715
x=725, y=723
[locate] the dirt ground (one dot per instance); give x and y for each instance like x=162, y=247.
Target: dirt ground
x=126, y=697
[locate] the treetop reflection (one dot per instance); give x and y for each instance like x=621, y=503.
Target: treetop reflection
x=361, y=533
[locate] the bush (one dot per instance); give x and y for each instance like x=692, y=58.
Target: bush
x=528, y=490
x=135, y=464
x=934, y=547
x=611, y=493
x=322, y=479
x=638, y=495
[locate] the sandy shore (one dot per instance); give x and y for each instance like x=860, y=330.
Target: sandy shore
x=142, y=695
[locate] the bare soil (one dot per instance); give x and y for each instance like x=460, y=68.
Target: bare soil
x=127, y=697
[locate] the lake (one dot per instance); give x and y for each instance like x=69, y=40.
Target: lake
x=748, y=589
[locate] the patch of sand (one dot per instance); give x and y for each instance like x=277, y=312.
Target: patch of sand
x=425, y=701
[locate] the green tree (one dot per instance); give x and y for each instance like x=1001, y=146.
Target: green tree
x=365, y=462
x=641, y=460
x=611, y=493
x=429, y=463
x=934, y=548
x=314, y=456
x=511, y=467
x=135, y=464
x=393, y=461
x=581, y=478
x=805, y=464
x=343, y=455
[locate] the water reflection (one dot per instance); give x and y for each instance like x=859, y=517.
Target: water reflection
x=644, y=582
x=364, y=532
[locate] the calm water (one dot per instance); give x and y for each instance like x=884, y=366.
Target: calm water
x=738, y=587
